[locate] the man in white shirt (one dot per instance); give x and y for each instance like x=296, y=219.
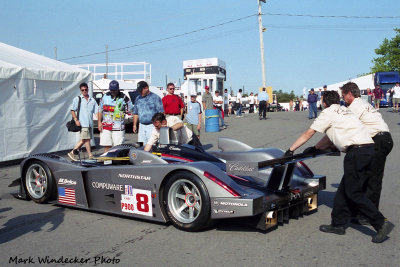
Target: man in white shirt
x=346, y=132
x=379, y=131
x=239, y=103
x=218, y=101
x=182, y=133
x=227, y=99
x=251, y=102
x=396, y=97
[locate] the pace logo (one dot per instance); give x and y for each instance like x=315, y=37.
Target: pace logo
x=66, y=181
x=224, y=211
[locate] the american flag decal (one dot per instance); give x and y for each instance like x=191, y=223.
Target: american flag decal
x=66, y=196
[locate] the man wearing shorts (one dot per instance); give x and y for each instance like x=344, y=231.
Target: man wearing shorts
x=396, y=97
x=111, y=116
x=88, y=106
x=193, y=117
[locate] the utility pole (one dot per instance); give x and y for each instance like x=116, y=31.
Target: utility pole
x=261, y=30
x=107, y=60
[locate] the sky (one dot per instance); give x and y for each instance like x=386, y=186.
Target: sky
x=307, y=43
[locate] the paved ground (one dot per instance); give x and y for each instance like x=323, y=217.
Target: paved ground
x=31, y=230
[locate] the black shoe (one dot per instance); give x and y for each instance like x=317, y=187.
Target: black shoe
x=329, y=228
x=382, y=233
x=260, y=118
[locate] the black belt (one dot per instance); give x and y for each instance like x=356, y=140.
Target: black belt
x=358, y=146
x=382, y=133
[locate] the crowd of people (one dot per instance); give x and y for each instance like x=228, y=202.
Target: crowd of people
x=356, y=129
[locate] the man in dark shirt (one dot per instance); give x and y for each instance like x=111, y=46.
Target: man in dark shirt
x=312, y=104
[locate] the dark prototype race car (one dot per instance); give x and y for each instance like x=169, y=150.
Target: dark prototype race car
x=181, y=184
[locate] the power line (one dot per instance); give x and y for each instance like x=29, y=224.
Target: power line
x=231, y=21
x=333, y=16
x=166, y=38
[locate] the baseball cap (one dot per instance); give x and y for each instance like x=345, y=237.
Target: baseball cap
x=206, y=87
x=114, y=85
x=325, y=86
x=312, y=89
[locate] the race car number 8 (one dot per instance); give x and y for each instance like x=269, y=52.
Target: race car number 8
x=137, y=202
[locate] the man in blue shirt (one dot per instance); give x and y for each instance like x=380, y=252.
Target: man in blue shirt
x=193, y=117
x=312, y=104
x=263, y=99
x=146, y=105
x=87, y=107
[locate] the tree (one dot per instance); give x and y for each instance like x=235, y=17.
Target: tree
x=388, y=55
x=284, y=97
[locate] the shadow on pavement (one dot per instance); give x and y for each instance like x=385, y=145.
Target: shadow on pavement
x=25, y=224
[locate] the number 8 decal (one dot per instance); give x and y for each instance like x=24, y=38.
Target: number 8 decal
x=142, y=202
x=138, y=202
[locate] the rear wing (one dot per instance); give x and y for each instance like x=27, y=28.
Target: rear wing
x=283, y=168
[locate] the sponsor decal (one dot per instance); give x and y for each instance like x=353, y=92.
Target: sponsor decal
x=242, y=168
x=107, y=162
x=174, y=148
x=66, y=195
x=224, y=211
x=133, y=155
x=235, y=166
x=133, y=176
x=66, y=181
x=216, y=203
x=137, y=203
x=128, y=190
x=233, y=204
x=308, y=193
x=147, y=161
x=116, y=187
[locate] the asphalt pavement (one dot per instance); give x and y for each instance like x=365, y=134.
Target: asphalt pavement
x=32, y=232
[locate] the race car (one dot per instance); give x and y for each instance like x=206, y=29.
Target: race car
x=181, y=184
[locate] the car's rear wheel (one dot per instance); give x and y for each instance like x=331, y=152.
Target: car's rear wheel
x=187, y=202
x=39, y=182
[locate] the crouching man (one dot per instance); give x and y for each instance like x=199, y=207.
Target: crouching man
x=183, y=134
x=347, y=133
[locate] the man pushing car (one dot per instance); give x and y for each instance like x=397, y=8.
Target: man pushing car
x=347, y=133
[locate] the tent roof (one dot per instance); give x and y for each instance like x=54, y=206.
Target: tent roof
x=363, y=82
x=28, y=65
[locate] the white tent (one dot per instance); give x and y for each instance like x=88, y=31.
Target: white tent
x=363, y=83
x=36, y=94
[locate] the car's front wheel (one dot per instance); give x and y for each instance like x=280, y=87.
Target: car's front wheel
x=187, y=202
x=39, y=182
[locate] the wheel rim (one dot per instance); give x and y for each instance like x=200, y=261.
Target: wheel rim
x=184, y=201
x=36, y=181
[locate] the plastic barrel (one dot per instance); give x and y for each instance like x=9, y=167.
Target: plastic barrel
x=212, y=120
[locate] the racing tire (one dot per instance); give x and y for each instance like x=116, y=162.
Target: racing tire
x=39, y=182
x=186, y=202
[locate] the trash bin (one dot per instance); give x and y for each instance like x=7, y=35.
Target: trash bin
x=212, y=120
